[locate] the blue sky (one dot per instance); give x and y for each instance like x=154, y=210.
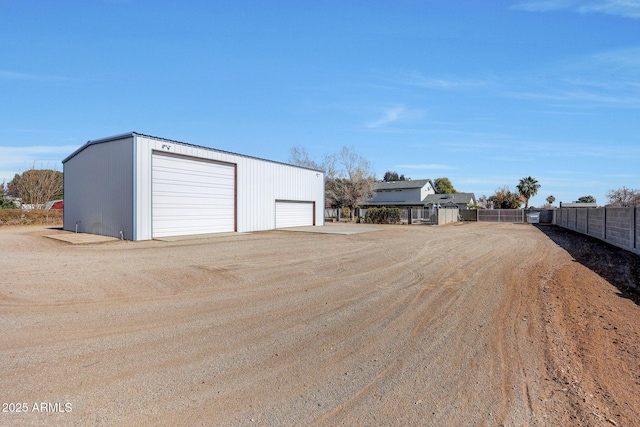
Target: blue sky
x=481, y=92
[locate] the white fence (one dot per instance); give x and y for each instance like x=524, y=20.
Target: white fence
x=332, y=213
x=419, y=215
x=423, y=215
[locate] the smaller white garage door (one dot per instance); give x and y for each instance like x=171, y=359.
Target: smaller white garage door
x=294, y=214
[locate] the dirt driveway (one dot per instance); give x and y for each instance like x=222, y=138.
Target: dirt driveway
x=464, y=325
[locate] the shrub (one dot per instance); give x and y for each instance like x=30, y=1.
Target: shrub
x=345, y=212
x=35, y=217
x=382, y=216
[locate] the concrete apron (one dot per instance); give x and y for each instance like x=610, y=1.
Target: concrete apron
x=81, y=238
x=334, y=228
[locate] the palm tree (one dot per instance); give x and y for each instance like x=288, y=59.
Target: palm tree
x=528, y=187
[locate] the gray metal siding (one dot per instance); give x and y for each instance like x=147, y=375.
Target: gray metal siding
x=98, y=187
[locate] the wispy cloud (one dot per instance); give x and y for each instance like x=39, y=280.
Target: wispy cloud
x=622, y=175
x=578, y=97
x=20, y=158
x=417, y=79
x=12, y=75
x=620, y=59
x=624, y=8
x=390, y=115
x=431, y=166
x=394, y=114
x=544, y=5
x=38, y=149
x=608, y=78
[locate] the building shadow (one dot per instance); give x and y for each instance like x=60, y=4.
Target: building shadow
x=619, y=267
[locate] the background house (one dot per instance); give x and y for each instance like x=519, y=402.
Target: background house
x=416, y=193
x=401, y=193
x=457, y=200
x=578, y=205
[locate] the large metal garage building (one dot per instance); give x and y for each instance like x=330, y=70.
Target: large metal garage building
x=140, y=187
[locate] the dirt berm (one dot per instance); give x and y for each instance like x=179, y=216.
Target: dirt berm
x=462, y=325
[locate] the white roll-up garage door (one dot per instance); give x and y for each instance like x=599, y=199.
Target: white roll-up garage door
x=191, y=196
x=293, y=214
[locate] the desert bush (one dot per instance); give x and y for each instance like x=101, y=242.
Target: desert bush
x=35, y=217
x=382, y=216
x=345, y=212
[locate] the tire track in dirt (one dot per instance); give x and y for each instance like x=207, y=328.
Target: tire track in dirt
x=441, y=295
x=405, y=326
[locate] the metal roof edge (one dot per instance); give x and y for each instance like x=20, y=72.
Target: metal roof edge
x=98, y=141
x=225, y=152
x=406, y=184
x=133, y=134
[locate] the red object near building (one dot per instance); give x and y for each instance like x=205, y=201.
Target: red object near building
x=58, y=205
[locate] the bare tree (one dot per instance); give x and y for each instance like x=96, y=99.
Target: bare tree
x=349, y=176
x=353, y=184
x=38, y=186
x=299, y=157
x=483, y=202
x=623, y=197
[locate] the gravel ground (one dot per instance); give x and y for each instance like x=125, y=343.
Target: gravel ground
x=471, y=324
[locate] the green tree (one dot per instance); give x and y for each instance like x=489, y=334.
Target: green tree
x=587, y=199
x=504, y=198
x=443, y=186
x=393, y=176
x=5, y=202
x=528, y=187
x=550, y=200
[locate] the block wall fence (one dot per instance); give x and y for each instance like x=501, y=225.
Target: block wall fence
x=617, y=226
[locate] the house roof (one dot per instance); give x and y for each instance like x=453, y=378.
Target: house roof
x=414, y=203
x=578, y=205
x=401, y=185
x=443, y=199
